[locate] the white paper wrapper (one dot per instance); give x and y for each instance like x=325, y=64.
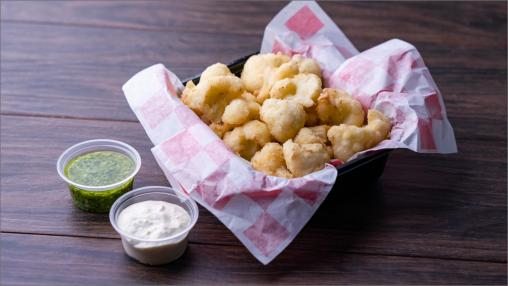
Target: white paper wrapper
x=266, y=213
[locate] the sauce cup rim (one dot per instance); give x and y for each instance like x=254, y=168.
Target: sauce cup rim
x=76, y=150
x=194, y=214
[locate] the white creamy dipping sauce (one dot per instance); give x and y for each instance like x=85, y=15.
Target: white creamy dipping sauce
x=149, y=220
x=153, y=219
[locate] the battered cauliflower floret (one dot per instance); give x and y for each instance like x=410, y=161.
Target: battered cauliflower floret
x=262, y=71
x=220, y=128
x=349, y=139
x=302, y=88
x=249, y=97
x=291, y=97
x=240, y=111
x=307, y=65
x=286, y=70
x=270, y=160
x=247, y=139
x=316, y=134
x=217, y=69
x=303, y=159
x=257, y=131
x=335, y=107
x=258, y=71
x=211, y=96
x=283, y=117
x=312, y=118
x=237, y=112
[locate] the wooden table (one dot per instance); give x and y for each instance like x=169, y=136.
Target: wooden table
x=430, y=218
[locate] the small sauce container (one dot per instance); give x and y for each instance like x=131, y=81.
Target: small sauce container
x=155, y=251
x=96, y=196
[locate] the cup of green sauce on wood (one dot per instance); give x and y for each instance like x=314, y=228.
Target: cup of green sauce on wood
x=98, y=172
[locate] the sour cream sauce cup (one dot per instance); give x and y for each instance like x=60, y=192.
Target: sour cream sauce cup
x=154, y=251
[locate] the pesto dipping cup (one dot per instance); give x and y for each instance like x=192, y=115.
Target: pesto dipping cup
x=99, y=197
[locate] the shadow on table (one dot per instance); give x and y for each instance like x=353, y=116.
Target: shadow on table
x=356, y=218
x=348, y=215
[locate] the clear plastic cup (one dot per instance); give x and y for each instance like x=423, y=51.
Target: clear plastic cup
x=155, y=251
x=98, y=198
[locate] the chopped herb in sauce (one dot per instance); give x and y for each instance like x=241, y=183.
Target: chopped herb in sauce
x=99, y=168
x=98, y=201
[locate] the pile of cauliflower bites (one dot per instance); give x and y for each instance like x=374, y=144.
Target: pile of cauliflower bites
x=278, y=116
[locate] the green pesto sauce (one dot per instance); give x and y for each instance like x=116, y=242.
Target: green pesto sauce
x=99, y=168
x=98, y=202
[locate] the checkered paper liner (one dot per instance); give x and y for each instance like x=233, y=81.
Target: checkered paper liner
x=266, y=213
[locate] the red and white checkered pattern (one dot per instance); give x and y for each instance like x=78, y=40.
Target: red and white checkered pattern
x=393, y=78
x=304, y=28
x=265, y=212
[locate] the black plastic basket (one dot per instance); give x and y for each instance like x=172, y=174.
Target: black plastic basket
x=365, y=169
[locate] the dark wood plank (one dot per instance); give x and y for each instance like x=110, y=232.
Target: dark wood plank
x=421, y=19
x=431, y=219
x=434, y=205
x=92, y=66
x=466, y=55
x=206, y=16
x=49, y=260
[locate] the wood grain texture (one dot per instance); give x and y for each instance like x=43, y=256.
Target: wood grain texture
x=410, y=212
x=102, y=262
x=94, y=62
x=430, y=219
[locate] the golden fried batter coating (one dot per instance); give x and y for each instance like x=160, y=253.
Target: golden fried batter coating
x=312, y=118
x=285, y=94
x=270, y=160
x=247, y=139
x=220, y=128
x=303, y=159
x=239, y=111
x=286, y=70
x=258, y=71
x=306, y=65
x=302, y=88
x=335, y=107
x=283, y=117
x=262, y=71
x=217, y=69
x=211, y=96
x=316, y=134
x=349, y=139
x=257, y=131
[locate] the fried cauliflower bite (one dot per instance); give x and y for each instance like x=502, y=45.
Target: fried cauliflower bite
x=247, y=139
x=306, y=65
x=214, y=70
x=283, y=117
x=303, y=159
x=335, y=107
x=312, y=119
x=286, y=70
x=270, y=160
x=258, y=70
x=316, y=134
x=302, y=88
x=220, y=128
x=210, y=97
x=257, y=131
x=241, y=110
x=349, y=139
